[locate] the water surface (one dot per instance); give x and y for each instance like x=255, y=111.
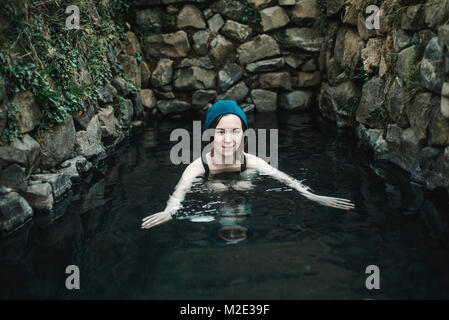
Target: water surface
x=283, y=246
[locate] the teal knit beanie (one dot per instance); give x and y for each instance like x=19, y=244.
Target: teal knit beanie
x=222, y=107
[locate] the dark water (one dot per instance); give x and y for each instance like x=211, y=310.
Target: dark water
x=285, y=247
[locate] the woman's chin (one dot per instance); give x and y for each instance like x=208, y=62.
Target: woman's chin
x=227, y=157
x=227, y=152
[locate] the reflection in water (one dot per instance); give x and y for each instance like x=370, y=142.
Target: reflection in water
x=226, y=201
x=283, y=246
x=230, y=234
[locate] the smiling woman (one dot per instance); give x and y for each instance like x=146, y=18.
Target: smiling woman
x=227, y=155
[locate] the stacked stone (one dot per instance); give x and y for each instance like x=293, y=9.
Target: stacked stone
x=211, y=54
x=413, y=132
x=207, y=51
x=200, y=56
x=38, y=168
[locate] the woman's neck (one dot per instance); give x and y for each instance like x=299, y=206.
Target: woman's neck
x=223, y=163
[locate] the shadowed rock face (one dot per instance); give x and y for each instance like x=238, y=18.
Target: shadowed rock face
x=339, y=103
x=264, y=100
x=162, y=74
x=237, y=92
x=13, y=176
x=14, y=212
x=131, y=69
x=3, y=115
x=221, y=49
x=88, y=142
x=29, y=115
x=280, y=80
x=202, y=97
x=169, y=107
x=25, y=151
x=334, y=6
x=190, y=16
x=304, y=38
x=57, y=144
x=201, y=41
x=39, y=196
x=418, y=114
x=432, y=66
x=372, y=100
x=266, y=65
x=236, y=31
x=229, y=75
x=60, y=183
x=108, y=121
x=348, y=49
x=233, y=10
x=413, y=18
x=194, y=78
x=296, y=101
x=395, y=103
x=171, y=45
x=273, y=18
x=2, y=88
x=261, y=47
x=305, y=9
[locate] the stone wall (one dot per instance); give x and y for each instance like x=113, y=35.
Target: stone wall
x=390, y=85
x=251, y=52
x=43, y=160
x=400, y=110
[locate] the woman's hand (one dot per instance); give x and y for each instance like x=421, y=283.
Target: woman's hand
x=332, y=202
x=155, y=219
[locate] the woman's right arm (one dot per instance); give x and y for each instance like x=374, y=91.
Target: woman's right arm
x=194, y=170
x=264, y=168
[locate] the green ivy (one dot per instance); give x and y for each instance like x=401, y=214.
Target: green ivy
x=97, y=61
x=351, y=106
x=120, y=111
x=132, y=88
x=380, y=115
x=361, y=74
x=38, y=53
x=143, y=31
x=413, y=75
x=10, y=131
x=394, y=56
x=119, y=10
x=320, y=24
x=250, y=15
x=322, y=6
x=138, y=57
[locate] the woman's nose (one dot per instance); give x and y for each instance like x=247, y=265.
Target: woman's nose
x=228, y=137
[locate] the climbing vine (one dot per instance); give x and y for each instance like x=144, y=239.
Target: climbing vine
x=351, y=106
x=413, y=75
x=10, y=131
x=63, y=68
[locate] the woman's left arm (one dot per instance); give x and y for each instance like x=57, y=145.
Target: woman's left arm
x=263, y=167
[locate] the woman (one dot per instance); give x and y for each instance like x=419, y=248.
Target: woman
x=227, y=156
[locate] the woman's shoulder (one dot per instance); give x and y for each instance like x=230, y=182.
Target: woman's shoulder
x=252, y=161
x=194, y=169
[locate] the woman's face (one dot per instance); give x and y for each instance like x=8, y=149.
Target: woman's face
x=228, y=136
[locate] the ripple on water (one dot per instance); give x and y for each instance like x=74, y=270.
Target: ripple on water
x=267, y=242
